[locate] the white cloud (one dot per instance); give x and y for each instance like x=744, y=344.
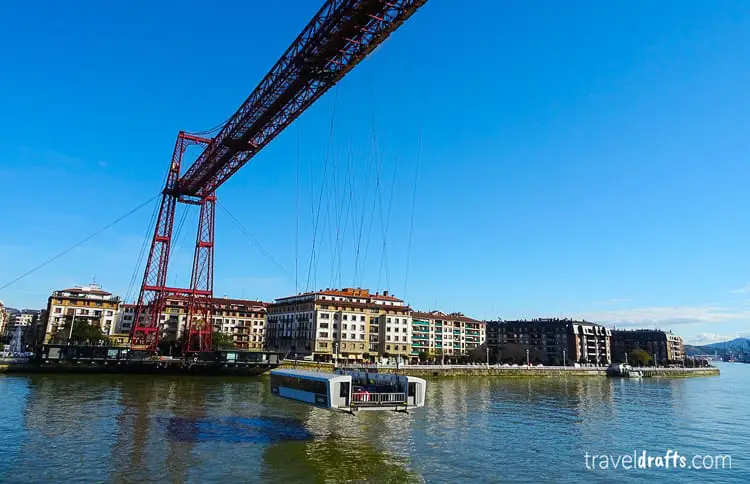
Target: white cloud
x=742, y=290
x=614, y=300
x=663, y=317
x=708, y=338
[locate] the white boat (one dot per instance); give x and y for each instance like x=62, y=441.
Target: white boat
x=631, y=373
x=350, y=391
x=623, y=370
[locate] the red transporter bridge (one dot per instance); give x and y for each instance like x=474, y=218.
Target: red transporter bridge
x=340, y=35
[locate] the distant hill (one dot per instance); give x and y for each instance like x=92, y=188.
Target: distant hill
x=734, y=347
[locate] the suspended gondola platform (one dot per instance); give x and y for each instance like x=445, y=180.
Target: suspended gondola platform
x=350, y=390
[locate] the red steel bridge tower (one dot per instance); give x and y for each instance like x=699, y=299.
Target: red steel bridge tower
x=340, y=35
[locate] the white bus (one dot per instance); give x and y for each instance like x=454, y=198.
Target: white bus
x=350, y=390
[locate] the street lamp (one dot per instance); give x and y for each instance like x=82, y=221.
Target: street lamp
x=564, y=360
x=527, y=358
x=72, y=323
x=335, y=355
x=487, y=348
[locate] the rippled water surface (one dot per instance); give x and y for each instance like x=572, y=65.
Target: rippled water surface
x=87, y=428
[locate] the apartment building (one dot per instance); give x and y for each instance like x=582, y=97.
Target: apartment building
x=241, y=319
x=352, y=324
x=81, y=303
x=125, y=318
x=663, y=345
x=442, y=336
x=549, y=341
x=4, y=315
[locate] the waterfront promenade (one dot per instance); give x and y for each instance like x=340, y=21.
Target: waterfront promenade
x=503, y=371
x=187, y=367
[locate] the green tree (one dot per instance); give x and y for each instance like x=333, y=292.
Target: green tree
x=221, y=341
x=514, y=353
x=83, y=333
x=639, y=357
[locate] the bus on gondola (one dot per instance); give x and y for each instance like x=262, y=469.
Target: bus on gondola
x=350, y=391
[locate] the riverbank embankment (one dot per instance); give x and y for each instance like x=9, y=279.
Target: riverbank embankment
x=437, y=371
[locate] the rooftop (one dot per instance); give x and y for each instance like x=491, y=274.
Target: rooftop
x=443, y=316
x=353, y=292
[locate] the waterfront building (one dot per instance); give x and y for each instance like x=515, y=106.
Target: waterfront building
x=436, y=335
x=665, y=346
x=351, y=323
x=4, y=315
x=81, y=303
x=549, y=341
x=242, y=320
x=125, y=318
x=28, y=321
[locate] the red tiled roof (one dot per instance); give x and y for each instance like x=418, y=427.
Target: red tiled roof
x=348, y=292
x=80, y=290
x=222, y=301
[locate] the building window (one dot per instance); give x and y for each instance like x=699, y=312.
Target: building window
x=345, y=317
x=387, y=320
x=361, y=318
x=343, y=326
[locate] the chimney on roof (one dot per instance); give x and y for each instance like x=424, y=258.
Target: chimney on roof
x=385, y=293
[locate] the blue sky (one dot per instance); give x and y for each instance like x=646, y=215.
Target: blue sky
x=583, y=159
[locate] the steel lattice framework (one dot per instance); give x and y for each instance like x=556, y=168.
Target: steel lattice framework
x=340, y=35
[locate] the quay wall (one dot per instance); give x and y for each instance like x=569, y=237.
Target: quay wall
x=437, y=371
x=422, y=371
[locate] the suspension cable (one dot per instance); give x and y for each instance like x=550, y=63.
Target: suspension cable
x=413, y=205
x=79, y=243
x=146, y=238
x=251, y=238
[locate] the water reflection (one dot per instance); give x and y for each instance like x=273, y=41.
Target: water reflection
x=144, y=429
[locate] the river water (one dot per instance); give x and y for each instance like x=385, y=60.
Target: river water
x=95, y=428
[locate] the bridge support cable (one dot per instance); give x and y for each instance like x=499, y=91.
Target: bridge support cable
x=340, y=35
x=252, y=239
x=129, y=294
x=79, y=243
x=411, y=217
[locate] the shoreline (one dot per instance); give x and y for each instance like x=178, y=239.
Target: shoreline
x=449, y=371
x=422, y=371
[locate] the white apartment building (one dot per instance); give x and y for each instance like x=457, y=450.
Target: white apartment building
x=4, y=315
x=81, y=303
x=241, y=319
x=349, y=323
